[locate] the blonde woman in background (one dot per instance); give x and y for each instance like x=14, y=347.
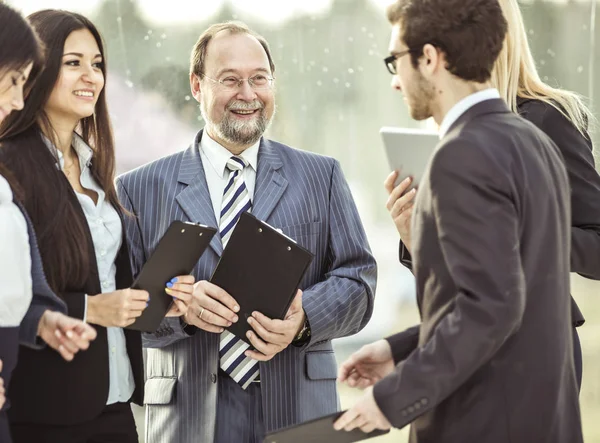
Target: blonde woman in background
x=565, y=119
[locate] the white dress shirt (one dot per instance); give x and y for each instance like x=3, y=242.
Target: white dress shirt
x=15, y=261
x=214, y=160
x=464, y=105
x=107, y=235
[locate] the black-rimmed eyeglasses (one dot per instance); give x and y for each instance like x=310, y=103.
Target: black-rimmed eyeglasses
x=390, y=62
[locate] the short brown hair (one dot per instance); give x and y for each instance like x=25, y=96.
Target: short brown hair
x=198, y=57
x=469, y=32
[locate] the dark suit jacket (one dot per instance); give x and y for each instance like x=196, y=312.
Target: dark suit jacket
x=494, y=356
x=45, y=389
x=577, y=152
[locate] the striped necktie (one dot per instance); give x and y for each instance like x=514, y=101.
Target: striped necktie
x=236, y=200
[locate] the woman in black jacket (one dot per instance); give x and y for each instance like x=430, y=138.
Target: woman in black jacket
x=564, y=118
x=60, y=150
x=29, y=311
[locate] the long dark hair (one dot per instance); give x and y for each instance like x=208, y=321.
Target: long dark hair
x=48, y=197
x=19, y=46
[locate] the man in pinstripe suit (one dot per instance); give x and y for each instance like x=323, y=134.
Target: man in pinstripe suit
x=202, y=385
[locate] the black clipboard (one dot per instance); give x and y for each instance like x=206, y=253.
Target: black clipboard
x=177, y=253
x=261, y=269
x=319, y=430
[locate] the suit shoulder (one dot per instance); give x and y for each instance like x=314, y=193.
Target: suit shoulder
x=546, y=116
x=158, y=167
x=487, y=142
x=296, y=154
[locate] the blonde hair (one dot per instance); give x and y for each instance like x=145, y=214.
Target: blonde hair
x=516, y=76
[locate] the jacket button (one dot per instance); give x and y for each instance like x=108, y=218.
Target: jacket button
x=213, y=378
x=411, y=409
x=404, y=413
x=424, y=401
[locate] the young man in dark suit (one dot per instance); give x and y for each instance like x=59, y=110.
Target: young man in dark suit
x=492, y=359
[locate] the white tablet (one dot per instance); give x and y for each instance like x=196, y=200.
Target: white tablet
x=408, y=151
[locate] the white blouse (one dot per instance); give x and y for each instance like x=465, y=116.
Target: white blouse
x=107, y=235
x=15, y=261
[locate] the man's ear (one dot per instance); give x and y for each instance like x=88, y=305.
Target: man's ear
x=195, y=87
x=432, y=59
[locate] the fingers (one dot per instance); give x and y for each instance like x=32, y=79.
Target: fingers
x=403, y=203
x=217, y=294
x=67, y=343
x=272, y=325
x=349, y=366
x=181, y=287
x=179, y=292
x=389, y=181
x=72, y=341
x=138, y=294
x=193, y=319
x=65, y=353
x=346, y=368
x=181, y=306
x=265, y=351
x=85, y=331
x=209, y=316
x=267, y=336
x=399, y=193
x=259, y=356
x=296, y=304
x=367, y=427
x=185, y=279
x=347, y=417
x=137, y=306
x=215, y=312
x=1, y=365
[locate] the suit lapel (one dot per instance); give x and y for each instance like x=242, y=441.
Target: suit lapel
x=194, y=199
x=270, y=183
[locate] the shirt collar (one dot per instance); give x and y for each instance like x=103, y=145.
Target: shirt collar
x=218, y=156
x=82, y=149
x=464, y=105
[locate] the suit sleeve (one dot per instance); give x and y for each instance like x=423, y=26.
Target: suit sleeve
x=43, y=298
x=342, y=303
x=477, y=223
x=171, y=329
x=405, y=257
x=576, y=150
x=404, y=343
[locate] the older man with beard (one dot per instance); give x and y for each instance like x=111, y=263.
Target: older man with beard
x=204, y=384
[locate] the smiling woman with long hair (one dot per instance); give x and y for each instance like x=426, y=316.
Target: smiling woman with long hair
x=60, y=149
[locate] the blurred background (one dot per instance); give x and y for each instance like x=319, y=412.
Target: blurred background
x=333, y=95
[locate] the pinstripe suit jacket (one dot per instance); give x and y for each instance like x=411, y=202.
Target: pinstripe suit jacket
x=306, y=196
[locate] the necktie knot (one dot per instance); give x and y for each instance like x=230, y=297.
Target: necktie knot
x=236, y=163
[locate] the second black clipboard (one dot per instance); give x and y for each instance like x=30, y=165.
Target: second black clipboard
x=177, y=253
x=320, y=430
x=261, y=269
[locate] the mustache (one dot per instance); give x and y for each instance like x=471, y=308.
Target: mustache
x=245, y=106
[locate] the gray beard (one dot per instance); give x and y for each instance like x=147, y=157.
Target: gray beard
x=238, y=132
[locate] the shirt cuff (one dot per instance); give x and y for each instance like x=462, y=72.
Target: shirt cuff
x=85, y=308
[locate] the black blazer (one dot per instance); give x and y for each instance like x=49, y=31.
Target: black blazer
x=45, y=389
x=584, y=180
x=490, y=257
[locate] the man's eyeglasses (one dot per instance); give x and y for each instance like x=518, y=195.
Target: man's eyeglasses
x=390, y=62
x=258, y=81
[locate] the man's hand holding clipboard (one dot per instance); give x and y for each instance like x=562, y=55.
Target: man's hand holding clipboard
x=271, y=336
x=254, y=290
